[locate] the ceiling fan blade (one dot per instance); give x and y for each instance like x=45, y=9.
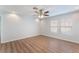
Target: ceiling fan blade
x=46, y=12
x=46, y=15
x=35, y=8
x=36, y=12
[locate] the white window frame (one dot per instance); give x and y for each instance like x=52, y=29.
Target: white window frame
x=59, y=27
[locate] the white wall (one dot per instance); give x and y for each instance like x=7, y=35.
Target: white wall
x=0, y=29
x=16, y=27
x=73, y=36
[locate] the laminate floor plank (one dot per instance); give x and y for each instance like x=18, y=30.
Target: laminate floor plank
x=39, y=44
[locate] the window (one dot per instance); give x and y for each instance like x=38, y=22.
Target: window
x=65, y=26
x=54, y=25
x=61, y=26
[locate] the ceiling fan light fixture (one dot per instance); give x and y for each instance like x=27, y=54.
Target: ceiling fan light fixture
x=42, y=16
x=41, y=13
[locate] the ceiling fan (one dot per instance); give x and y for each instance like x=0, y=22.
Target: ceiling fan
x=41, y=13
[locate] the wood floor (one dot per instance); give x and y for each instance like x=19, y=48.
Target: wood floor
x=39, y=44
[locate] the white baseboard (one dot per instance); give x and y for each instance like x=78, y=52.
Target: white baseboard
x=18, y=38
x=44, y=35
x=61, y=38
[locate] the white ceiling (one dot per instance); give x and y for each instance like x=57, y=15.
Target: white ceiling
x=27, y=9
